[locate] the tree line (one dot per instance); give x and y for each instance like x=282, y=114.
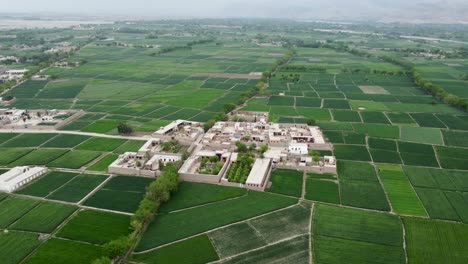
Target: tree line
x=187, y=46
x=158, y=192
x=246, y=95
x=410, y=69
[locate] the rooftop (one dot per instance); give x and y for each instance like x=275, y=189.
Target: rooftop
x=259, y=169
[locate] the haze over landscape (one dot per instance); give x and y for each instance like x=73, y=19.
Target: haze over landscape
x=234, y=132
x=429, y=11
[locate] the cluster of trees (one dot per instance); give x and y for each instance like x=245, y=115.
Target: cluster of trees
x=303, y=68
x=188, y=46
x=372, y=71
x=7, y=98
x=315, y=155
x=131, y=30
x=170, y=49
x=8, y=62
x=277, y=64
x=200, y=42
x=240, y=169
x=171, y=146
x=211, y=165
x=157, y=193
x=292, y=77
x=409, y=68
x=433, y=89
x=124, y=129
x=7, y=85
x=464, y=77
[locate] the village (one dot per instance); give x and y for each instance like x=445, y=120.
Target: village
x=212, y=156
x=239, y=154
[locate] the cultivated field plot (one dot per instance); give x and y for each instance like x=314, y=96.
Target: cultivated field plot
x=95, y=227
x=256, y=233
x=182, y=224
x=191, y=194
x=58, y=251
x=194, y=250
x=15, y=246
x=361, y=236
x=399, y=149
x=401, y=194
x=430, y=241
x=287, y=182
x=322, y=190
x=441, y=192
x=44, y=218
x=121, y=193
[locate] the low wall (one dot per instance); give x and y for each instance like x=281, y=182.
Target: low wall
x=199, y=178
x=195, y=177
x=315, y=169
x=133, y=172
x=326, y=146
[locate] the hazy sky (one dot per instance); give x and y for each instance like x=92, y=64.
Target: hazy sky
x=313, y=9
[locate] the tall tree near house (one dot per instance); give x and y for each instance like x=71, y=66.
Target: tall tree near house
x=124, y=129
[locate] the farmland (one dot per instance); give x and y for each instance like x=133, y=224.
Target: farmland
x=402, y=181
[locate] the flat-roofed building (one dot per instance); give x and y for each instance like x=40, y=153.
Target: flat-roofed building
x=19, y=176
x=298, y=148
x=259, y=174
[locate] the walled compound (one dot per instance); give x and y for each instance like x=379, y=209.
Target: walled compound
x=241, y=154
x=37, y=119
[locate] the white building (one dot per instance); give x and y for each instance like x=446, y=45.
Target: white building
x=259, y=174
x=19, y=176
x=298, y=148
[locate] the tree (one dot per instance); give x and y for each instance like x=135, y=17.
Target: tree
x=124, y=129
x=310, y=122
x=116, y=248
x=214, y=159
x=241, y=147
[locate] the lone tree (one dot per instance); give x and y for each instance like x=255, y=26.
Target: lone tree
x=124, y=129
x=310, y=122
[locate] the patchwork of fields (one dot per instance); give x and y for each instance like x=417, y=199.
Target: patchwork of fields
x=400, y=194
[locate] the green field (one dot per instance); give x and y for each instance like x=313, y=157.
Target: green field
x=169, y=227
x=46, y=184
x=44, y=218
x=96, y=227
x=65, y=141
x=101, y=144
x=13, y=209
x=191, y=194
x=77, y=188
x=121, y=193
x=287, y=182
x=39, y=157
x=57, y=251
x=362, y=237
x=27, y=140
x=430, y=241
x=400, y=192
x=322, y=191
x=15, y=246
x=197, y=250
x=75, y=159
x=103, y=163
